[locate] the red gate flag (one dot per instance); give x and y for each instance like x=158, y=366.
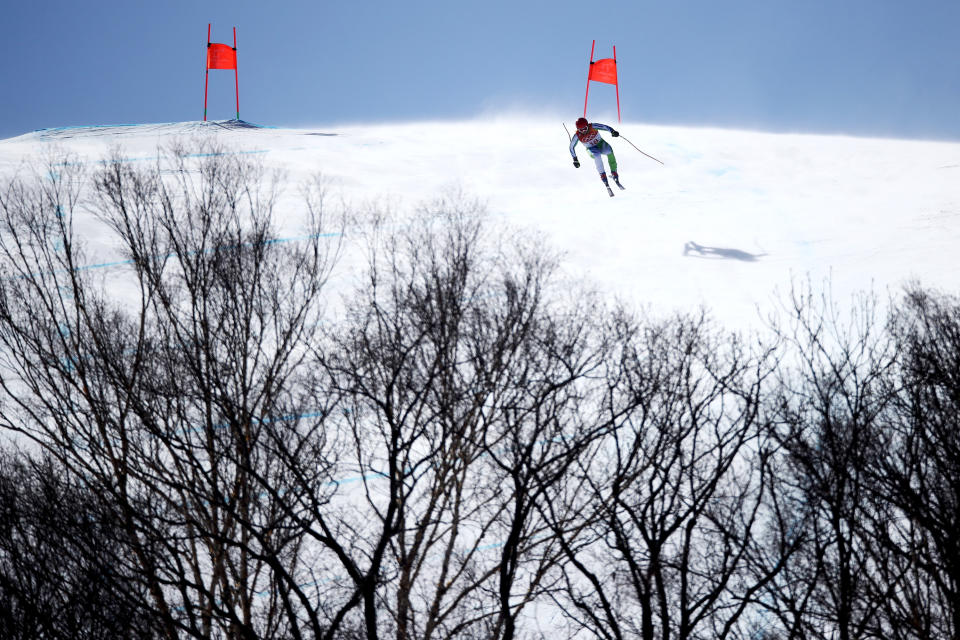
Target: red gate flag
x=604, y=70
x=221, y=56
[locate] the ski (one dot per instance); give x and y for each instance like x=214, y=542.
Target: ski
x=610, y=191
x=622, y=188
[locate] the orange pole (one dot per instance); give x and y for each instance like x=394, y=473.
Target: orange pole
x=588, y=80
x=236, y=74
x=617, y=85
x=206, y=80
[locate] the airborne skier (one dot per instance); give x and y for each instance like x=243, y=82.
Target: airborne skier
x=588, y=134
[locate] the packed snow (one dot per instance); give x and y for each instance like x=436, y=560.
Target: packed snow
x=728, y=220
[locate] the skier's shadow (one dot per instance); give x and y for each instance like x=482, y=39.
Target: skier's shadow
x=723, y=253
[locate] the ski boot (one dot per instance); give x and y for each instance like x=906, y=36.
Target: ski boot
x=603, y=177
x=616, y=179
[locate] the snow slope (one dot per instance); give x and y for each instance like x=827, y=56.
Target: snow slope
x=730, y=217
x=759, y=209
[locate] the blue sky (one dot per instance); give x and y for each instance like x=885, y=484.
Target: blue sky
x=863, y=67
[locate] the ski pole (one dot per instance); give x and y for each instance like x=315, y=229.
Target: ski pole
x=635, y=147
x=569, y=137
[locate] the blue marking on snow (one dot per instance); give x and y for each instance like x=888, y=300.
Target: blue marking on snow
x=80, y=163
x=223, y=153
x=205, y=123
x=120, y=263
x=102, y=126
x=722, y=171
x=493, y=545
x=686, y=153
x=367, y=476
x=103, y=265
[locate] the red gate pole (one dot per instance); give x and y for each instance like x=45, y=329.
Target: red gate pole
x=617, y=84
x=206, y=80
x=588, y=80
x=236, y=74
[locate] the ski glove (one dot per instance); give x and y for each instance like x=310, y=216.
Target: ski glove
x=615, y=134
x=576, y=163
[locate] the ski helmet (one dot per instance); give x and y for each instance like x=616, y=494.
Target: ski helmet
x=582, y=124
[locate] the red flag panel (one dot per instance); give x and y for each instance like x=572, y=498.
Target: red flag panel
x=221, y=56
x=604, y=70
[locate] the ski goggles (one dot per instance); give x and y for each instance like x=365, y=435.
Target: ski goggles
x=583, y=129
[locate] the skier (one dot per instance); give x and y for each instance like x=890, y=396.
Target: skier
x=588, y=134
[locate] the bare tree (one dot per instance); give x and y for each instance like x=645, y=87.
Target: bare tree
x=59, y=565
x=831, y=392
x=917, y=469
x=460, y=443
x=668, y=542
x=158, y=397
x=453, y=375
x=549, y=419
x=276, y=472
